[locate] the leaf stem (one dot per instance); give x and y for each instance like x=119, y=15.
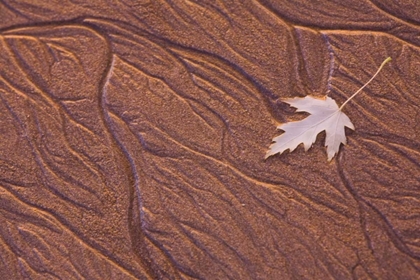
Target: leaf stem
x=373, y=77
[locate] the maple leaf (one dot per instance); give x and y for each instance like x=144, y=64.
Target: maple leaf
x=324, y=115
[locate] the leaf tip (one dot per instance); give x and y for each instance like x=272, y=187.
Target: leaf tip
x=330, y=156
x=269, y=153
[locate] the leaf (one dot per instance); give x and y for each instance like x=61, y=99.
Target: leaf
x=325, y=115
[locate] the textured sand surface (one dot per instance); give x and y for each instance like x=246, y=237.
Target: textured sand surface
x=133, y=135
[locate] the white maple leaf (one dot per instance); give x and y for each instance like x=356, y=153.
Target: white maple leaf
x=324, y=115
